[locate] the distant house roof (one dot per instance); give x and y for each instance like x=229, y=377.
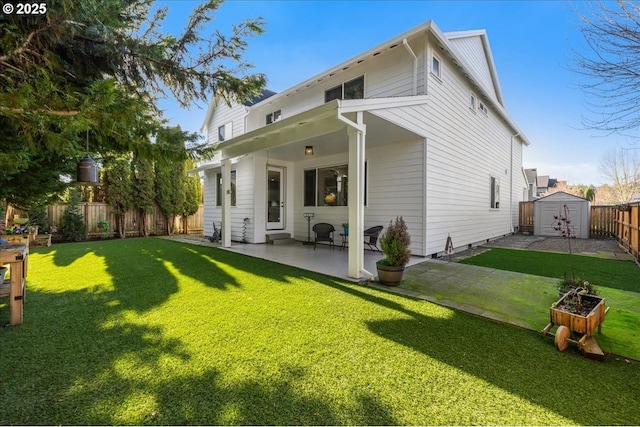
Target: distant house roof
x=543, y=181
x=266, y=93
x=531, y=175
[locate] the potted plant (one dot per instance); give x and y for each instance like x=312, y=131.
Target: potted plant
x=395, y=244
x=345, y=226
x=570, y=283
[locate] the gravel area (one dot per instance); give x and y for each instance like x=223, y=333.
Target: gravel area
x=600, y=247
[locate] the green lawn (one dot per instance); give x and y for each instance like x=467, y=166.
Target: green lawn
x=150, y=331
x=610, y=273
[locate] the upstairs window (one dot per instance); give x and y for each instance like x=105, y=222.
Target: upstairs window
x=495, y=193
x=274, y=117
x=483, y=108
x=353, y=89
x=435, y=66
x=225, y=132
x=472, y=102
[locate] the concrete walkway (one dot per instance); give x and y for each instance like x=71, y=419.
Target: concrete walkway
x=504, y=296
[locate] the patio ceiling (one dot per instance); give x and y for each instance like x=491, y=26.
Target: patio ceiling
x=320, y=127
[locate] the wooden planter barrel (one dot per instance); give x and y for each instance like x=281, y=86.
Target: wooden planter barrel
x=578, y=328
x=576, y=322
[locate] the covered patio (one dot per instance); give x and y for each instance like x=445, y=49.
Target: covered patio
x=336, y=128
x=324, y=260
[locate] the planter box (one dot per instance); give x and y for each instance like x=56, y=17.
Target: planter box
x=580, y=323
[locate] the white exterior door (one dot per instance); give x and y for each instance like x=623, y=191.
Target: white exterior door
x=275, y=198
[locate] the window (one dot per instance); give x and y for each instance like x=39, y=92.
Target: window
x=329, y=186
x=225, y=132
x=274, y=117
x=353, y=89
x=472, y=102
x=435, y=66
x=483, y=108
x=219, y=189
x=495, y=193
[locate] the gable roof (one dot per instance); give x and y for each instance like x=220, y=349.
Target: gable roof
x=465, y=42
x=451, y=47
x=266, y=93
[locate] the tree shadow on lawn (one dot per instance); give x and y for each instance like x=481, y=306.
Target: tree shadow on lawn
x=520, y=362
x=74, y=378
x=143, y=269
x=88, y=366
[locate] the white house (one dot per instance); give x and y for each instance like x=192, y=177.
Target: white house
x=414, y=127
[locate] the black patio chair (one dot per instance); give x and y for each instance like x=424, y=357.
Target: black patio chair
x=373, y=233
x=217, y=234
x=324, y=233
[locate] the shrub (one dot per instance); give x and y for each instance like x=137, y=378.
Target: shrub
x=395, y=244
x=72, y=221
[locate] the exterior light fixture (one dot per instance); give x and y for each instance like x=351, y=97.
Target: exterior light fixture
x=308, y=150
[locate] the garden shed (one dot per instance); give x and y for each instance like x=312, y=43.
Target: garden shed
x=547, y=208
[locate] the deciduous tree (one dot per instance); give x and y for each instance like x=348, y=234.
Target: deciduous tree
x=611, y=64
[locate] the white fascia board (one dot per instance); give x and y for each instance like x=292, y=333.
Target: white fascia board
x=372, y=104
x=204, y=168
x=395, y=42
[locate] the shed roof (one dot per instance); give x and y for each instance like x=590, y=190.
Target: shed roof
x=561, y=196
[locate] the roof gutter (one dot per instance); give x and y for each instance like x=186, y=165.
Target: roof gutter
x=415, y=65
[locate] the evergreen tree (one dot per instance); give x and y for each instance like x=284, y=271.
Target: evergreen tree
x=118, y=190
x=144, y=190
x=102, y=66
x=171, y=176
x=73, y=226
x=193, y=194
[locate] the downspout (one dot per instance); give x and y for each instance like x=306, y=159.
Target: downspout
x=247, y=110
x=511, y=183
x=415, y=66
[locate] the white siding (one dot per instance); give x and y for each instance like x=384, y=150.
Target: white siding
x=439, y=181
x=223, y=114
x=387, y=75
x=472, y=50
x=465, y=149
x=395, y=188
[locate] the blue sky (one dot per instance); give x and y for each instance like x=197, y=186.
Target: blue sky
x=531, y=42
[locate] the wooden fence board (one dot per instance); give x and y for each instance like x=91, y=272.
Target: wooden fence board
x=526, y=217
x=95, y=212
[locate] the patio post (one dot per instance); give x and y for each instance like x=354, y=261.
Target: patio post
x=226, y=203
x=356, y=198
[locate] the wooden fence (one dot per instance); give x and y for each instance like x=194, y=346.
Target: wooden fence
x=93, y=213
x=602, y=221
x=621, y=222
x=526, y=217
x=628, y=228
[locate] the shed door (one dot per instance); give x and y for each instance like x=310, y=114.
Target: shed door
x=549, y=210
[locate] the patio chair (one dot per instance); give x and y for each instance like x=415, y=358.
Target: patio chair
x=324, y=233
x=217, y=234
x=373, y=233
